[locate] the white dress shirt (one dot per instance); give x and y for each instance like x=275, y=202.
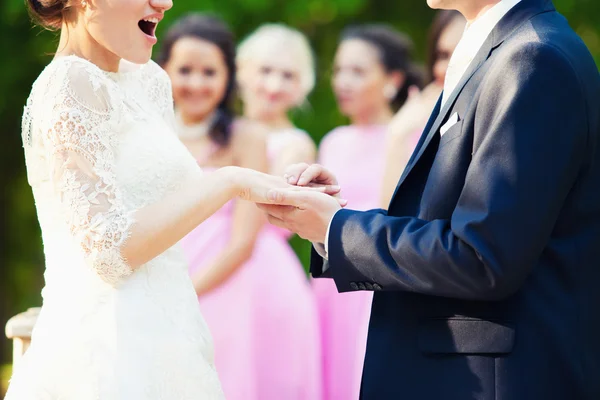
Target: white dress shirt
x=474, y=36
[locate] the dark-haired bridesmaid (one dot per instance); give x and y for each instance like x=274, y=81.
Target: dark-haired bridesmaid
x=407, y=125
x=373, y=70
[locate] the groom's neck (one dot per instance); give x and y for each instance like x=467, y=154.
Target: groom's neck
x=473, y=9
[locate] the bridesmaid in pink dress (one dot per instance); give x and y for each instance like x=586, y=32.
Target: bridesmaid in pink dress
x=372, y=73
x=198, y=53
x=275, y=74
x=407, y=125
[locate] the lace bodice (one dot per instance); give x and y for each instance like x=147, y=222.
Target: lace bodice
x=98, y=147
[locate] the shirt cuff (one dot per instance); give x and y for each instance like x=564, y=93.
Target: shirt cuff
x=320, y=249
x=323, y=248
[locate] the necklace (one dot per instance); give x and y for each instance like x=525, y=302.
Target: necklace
x=193, y=131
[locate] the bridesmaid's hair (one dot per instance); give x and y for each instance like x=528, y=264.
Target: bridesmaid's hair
x=48, y=13
x=395, y=51
x=213, y=30
x=279, y=36
x=441, y=21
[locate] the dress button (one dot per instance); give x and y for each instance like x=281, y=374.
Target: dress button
x=369, y=286
x=361, y=286
x=377, y=287
x=353, y=286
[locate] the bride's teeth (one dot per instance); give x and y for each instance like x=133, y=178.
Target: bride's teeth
x=153, y=20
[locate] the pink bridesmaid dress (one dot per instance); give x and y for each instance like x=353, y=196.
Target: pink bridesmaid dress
x=263, y=320
x=228, y=310
x=286, y=319
x=356, y=155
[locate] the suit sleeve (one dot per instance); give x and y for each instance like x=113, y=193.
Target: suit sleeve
x=531, y=133
x=319, y=260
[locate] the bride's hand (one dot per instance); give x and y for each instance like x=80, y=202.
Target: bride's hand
x=254, y=186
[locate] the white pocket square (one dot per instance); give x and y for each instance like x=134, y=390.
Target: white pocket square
x=449, y=124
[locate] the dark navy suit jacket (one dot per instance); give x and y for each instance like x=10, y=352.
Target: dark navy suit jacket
x=486, y=268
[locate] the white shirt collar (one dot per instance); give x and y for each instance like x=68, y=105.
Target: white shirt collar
x=473, y=38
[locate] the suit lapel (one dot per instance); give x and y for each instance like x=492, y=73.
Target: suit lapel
x=439, y=116
x=514, y=18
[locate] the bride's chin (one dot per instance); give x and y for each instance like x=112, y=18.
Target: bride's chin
x=141, y=56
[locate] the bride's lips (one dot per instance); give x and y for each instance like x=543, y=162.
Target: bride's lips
x=148, y=26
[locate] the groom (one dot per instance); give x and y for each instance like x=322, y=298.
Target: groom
x=486, y=267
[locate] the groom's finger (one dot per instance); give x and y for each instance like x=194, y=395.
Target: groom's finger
x=315, y=173
x=275, y=210
x=293, y=172
x=276, y=221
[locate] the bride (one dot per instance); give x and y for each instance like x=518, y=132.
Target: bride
x=115, y=191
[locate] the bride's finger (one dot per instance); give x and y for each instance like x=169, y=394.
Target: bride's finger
x=331, y=190
x=289, y=197
x=296, y=198
x=312, y=188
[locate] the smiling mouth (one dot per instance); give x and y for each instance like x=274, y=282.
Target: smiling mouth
x=148, y=26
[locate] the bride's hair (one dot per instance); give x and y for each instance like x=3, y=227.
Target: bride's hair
x=49, y=13
x=213, y=30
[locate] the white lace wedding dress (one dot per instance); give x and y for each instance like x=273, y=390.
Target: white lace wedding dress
x=98, y=147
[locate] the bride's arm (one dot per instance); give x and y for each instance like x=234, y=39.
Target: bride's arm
x=159, y=226
x=115, y=240
x=80, y=130
x=249, y=146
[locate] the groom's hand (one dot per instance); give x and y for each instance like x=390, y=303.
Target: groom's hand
x=306, y=213
x=305, y=175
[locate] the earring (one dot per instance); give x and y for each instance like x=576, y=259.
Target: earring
x=83, y=3
x=389, y=91
x=301, y=102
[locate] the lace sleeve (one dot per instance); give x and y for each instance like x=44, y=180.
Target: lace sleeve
x=80, y=137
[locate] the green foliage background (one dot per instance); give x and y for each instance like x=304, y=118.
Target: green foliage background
x=24, y=50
